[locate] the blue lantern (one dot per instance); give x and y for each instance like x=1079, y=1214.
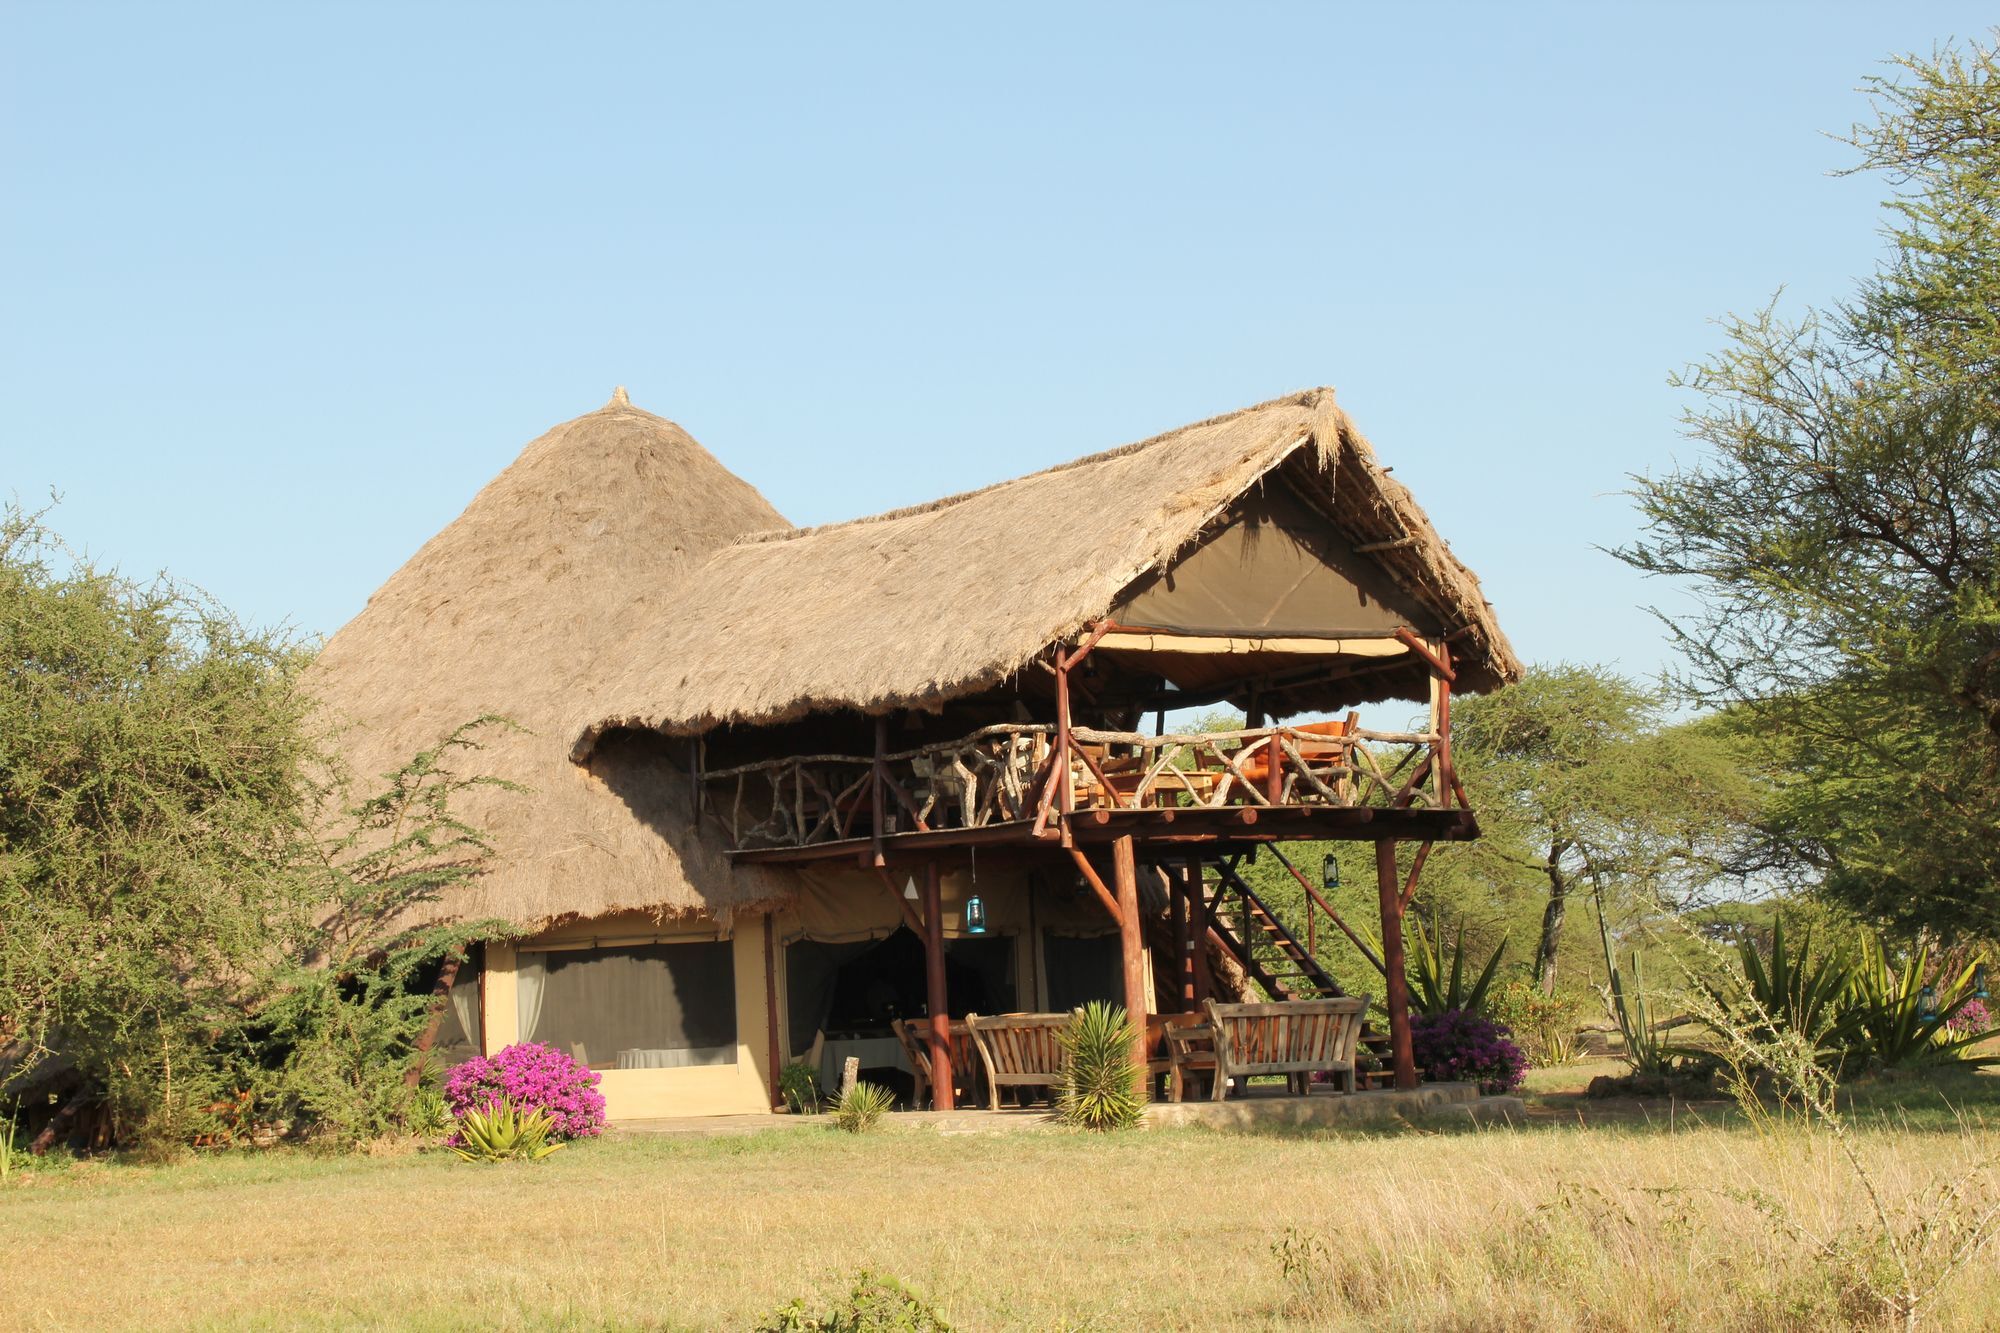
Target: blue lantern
x=975, y=916
x=1927, y=1003
x=1330, y=873
x=1979, y=991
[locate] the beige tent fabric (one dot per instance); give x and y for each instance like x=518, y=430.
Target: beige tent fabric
x=508, y=610
x=1273, y=571
x=917, y=607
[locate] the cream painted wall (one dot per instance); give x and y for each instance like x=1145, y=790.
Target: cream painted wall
x=640, y=1094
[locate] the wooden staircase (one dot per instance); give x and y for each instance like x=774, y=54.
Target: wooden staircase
x=1271, y=955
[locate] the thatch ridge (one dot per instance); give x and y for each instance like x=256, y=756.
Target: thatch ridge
x=511, y=609
x=870, y=614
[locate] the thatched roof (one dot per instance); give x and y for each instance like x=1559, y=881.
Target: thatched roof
x=595, y=527
x=912, y=608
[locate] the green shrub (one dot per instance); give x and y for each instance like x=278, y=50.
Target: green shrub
x=1544, y=1026
x=862, y=1107
x=502, y=1132
x=798, y=1085
x=874, y=1305
x=1100, y=1085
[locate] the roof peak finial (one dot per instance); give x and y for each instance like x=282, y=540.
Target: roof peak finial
x=619, y=398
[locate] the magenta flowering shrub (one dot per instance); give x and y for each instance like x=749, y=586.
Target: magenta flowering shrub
x=531, y=1075
x=1972, y=1016
x=1459, y=1047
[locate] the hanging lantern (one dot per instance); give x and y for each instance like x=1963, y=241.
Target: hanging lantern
x=1927, y=1003
x=1330, y=874
x=1979, y=991
x=975, y=916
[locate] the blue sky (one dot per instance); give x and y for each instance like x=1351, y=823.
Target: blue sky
x=284, y=286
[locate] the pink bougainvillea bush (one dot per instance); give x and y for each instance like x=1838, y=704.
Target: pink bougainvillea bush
x=1455, y=1046
x=531, y=1075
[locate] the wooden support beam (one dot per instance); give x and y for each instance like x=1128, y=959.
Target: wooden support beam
x=771, y=1008
x=1416, y=869
x=1198, y=932
x=937, y=1002
x=1091, y=878
x=1132, y=948
x=875, y=793
x=1396, y=982
x=1422, y=649
x=910, y=917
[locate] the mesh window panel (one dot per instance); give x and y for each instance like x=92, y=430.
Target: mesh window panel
x=641, y=1007
x=1079, y=970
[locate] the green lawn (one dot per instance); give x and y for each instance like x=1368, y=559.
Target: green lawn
x=1627, y=1222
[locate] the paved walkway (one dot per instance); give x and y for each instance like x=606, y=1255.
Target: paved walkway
x=1263, y=1108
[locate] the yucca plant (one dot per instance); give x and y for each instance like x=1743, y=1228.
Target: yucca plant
x=1100, y=1083
x=861, y=1107
x=1436, y=987
x=1897, y=1028
x=503, y=1132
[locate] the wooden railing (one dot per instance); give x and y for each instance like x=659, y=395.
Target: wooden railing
x=1034, y=772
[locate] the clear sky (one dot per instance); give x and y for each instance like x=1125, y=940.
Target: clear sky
x=281, y=287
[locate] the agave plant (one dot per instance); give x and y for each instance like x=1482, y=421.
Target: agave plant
x=1649, y=1054
x=1899, y=1026
x=1802, y=994
x=1100, y=1085
x=1436, y=988
x=502, y=1132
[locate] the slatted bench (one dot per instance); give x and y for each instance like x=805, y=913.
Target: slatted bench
x=1296, y=1038
x=1019, y=1050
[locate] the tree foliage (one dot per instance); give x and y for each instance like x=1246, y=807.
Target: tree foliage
x=1840, y=530
x=197, y=917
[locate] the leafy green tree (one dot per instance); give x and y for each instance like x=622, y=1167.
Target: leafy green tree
x=193, y=911
x=1841, y=529
x=1583, y=786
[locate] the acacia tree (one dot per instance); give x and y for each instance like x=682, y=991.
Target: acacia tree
x=193, y=908
x=1582, y=785
x=1841, y=532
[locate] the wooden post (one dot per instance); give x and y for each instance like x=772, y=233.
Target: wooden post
x=936, y=1000
x=1065, y=785
x=440, y=999
x=1179, y=914
x=876, y=791
x=1204, y=981
x=1125, y=871
x=1389, y=888
x=771, y=1007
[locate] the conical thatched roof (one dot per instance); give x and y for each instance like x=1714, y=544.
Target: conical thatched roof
x=912, y=608
x=509, y=610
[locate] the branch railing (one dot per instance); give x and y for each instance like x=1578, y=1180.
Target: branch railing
x=1028, y=771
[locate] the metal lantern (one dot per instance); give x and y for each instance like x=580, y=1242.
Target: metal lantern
x=1979, y=991
x=975, y=916
x=1330, y=874
x=1927, y=1002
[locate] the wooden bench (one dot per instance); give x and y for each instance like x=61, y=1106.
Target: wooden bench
x=1019, y=1051
x=915, y=1034
x=1296, y=1038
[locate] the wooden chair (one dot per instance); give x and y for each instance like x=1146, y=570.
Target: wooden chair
x=1257, y=766
x=915, y=1035
x=1019, y=1050
x=1185, y=1045
x=1296, y=1038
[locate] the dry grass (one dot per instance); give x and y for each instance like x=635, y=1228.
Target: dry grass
x=1619, y=1226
